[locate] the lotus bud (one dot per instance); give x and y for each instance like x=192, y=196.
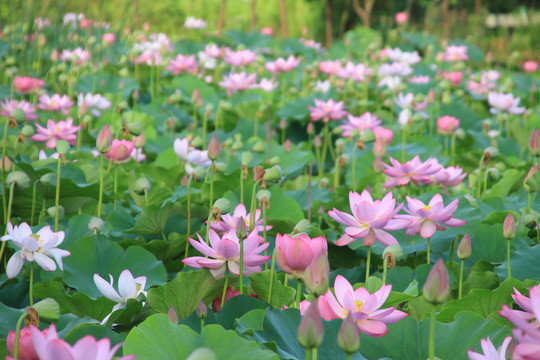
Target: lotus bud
x=492, y=151
x=317, y=274
x=135, y=128
x=246, y=158
x=303, y=226
x=311, y=128
x=104, y=140
x=52, y=211
x=199, y=172
x=272, y=174
x=493, y=174
x=348, y=337
x=141, y=185
x=18, y=116
x=282, y=124
x=531, y=183
x=241, y=229
x=139, y=140
x=48, y=309
x=172, y=315
x=533, y=144
x=48, y=179
x=368, y=136
x=19, y=179
x=509, y=227
x=317, y=142
x=323, y=183
x=27, y=130
x=224, y=205
x=202, y=353
x=311, y=332
x=258, y=147
x=237, y=145
x=213, y=148
x=62, y=147
x=437, y=287
x=464, y=248
x=5, y=162
x=202, y=311
x=287, y=145
x=96, y=224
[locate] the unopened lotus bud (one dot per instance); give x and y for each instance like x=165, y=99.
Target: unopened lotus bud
x=96, y=224
x=493, y=174
x=492, y=151
x=282, y=124
x=437, y=287
x=172, y=315
x=303, y=226
x=368, y=136
x=141, y=186
x=272, y=174
x=202, y=353
x=533, y=143
x=104, y=140
x=258, y=173
x=247, y=156
x=241, y=228
x=139, y=140
x=199, y=172
x=17, y=116
x=531, y=183
x=135, y=128
x=317, y=142
x=323, y=183
x=213, y=148
x=348, y=337
x=27, y=130
x=464, y=248
x=317, y=274
x=49, y=179
x=224, y=205
x=509, y=227
x=123, y=72
x=311, y=332
x=48, y=309
x=5, y=163
x=62, y=147
x=287, y=145
x=19, y=179
x=202, y=311
x=258, y=147
x=52, y=211
x=311, y=128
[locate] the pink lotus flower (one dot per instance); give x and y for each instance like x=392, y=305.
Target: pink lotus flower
x=282, y=65
x=267, y=31
x=55, y=103
x=426, y=219
x=237, y=81
x=49, y=347
x=327, y=111
x=62, y=130
x=295, y=254
x=93, y=103
x=408, y=101
x=265, y=85
x=530, y=66
x=504, y=102
x=397, y=68
x=361, y=124
x=9, y=105
x=451, y=176
x=37, y=247
x=413, y=170
x=330, y=67
x=419, y=79
x=194, y=23
x=109, y=38
x=120, y=150
x=383, y=135
x=364, y=307
x=401, y=18
x=240, y=57
x=150, y=58
x=213, y=51
x=355, y=72
x=490, y=352
x=77, y=56
x=310, y=43
x=27, y=85
x=454, y=77
x=369, y=220
x=229, y=293
x=454, y=53
x=26, y=346
x=447, y=125
x=397, y=54
x=190, y=154
x=182, y=64
x=228, y=222
x=225, y=253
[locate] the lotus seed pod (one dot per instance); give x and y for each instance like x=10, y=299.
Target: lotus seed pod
x=303, y=226
x=49, y=179
x=224, y=205
x=263, y=194
x=52, y=211
x=141, y=185
x=246, y=157
x=135, y=128
x=96, y=224
x=18, y=115
x=48, y=309
x=62, y=147
x=19, y=179
x=368, y=136
x=258, y=147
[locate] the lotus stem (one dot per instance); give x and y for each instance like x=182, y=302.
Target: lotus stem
x=432, y=334
x=212, y=170
x=188, y=216
x=34, y=194
x=31, y=289
x=225, y=286
x=428, y=250
x=264, y=235
x=298, y=294
x=385, y=269
x=57, y=196
x=4, y=141
x=368, y=261
x=115, y=189
x=17, y=335
x=272, y=275
x=100, y=200
x=460, y=291
x=241, y=187
x=253, y=206
x=508, y=257
x=241, y=272
x=353, y=164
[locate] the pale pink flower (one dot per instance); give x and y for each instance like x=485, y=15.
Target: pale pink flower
x=454, y=53
x=190, y=154
x=27, y=85
x=419, y=79
x=77, y=56
x=225, y=253
x=370, y=219
x=397, y=54
x=120, y=150
x=9, y=105
x=311, y=43
x=489, y=350
x=194, y=23
x=138, y=155
x=228, y=222
x=397, y=68
x=267, y=31
x=355, y=72
x=240, y=57
x=364, y=307
x=451, y=176
x=282, y=65
x=55, y=103
x=361, y=124
x=237, y=82
x=213, y=51
x=447, y=125
x=26, y=346
x=454, y=77
x=330, y=67
x=530, y=66
x=109, y=38
x=93, y=103
x=329, y=110
x=62, y=130
x=182, y=64
x=150, y=58
x=266, y=85
x=426, y=219
x=500, y=102
x=39, y=247
x=408, y=101
x=413, y=170
x=383, y=135
x=295, y=253
x=401, y=18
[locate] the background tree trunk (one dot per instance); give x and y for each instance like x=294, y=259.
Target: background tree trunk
x=344, y=18
x=446, y=17
x=328, y=17
x=284, y=20
x=221, y=20
x=365, y=12
x=477, y=7
x=253, y=18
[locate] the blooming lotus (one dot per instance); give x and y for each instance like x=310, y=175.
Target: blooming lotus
x=355, y=72
x=237, y=81
x=266, y=85
x=93, y=103
x=490, y=352
x=397, y=54
x=383, y=135
x=224, y=253
x=397, y=68
x=109, y=38
x=401, y=18
x=413, y=170
x=55, y=103
x=62, y=130
x=426, y=219
x=330, y=67
x=240, y=57
x=77, y=56
x=370, y=219
x=212, y=50
x=128, y=288
x=361, y=124
x=194, y=23
x=408, y=102
x=9, y=105
x=500, y=102
x=450, y=176
x=120, y=150
x=190, y=154
x=182, y=64
x=454, y=53
x=228, y=222
x=454, y=77
x=530, y=66
x=39, y=247
x=391, y=82
x=295, y=253
x=327, y=111
x=282, y=65
x=447, y=125
x=364, y=307
x=419, y=79
x=26, y=345
x=27, y=85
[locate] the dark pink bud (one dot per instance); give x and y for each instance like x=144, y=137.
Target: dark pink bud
x=437, y=287
x=509, y=227
x=214, y=148
x=104, y=140
x=349, y=335
x=533, y=143
x=464, y=248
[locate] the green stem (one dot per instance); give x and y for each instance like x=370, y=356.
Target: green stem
x=353, y=160
x=204, y=126
x=202, y=324
x=508, y=257
x=208, y=226
x=10, y=203
x=368, y=261
x=115, y=188
x=272, y=275
x=460, y=281
x=385, y=269
x=298, y=294
x=308, y=354
x=529, y=203
x=453, y=150
x=100, y=199
x=241, y=186
x=212, y=170
x=241, y=272
x=31, y=290
x=17, y=335
x=324, y=146
x=4, y=170
x=253, y=206
x=188, y=215
x=34, y=195
x=428, y=249
x=314, y=354
x=403, y=140
x=225, y=286
x=336, y=174
x=146, y=197
x=479, y=177
x=484, y=189
x=432, y=334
